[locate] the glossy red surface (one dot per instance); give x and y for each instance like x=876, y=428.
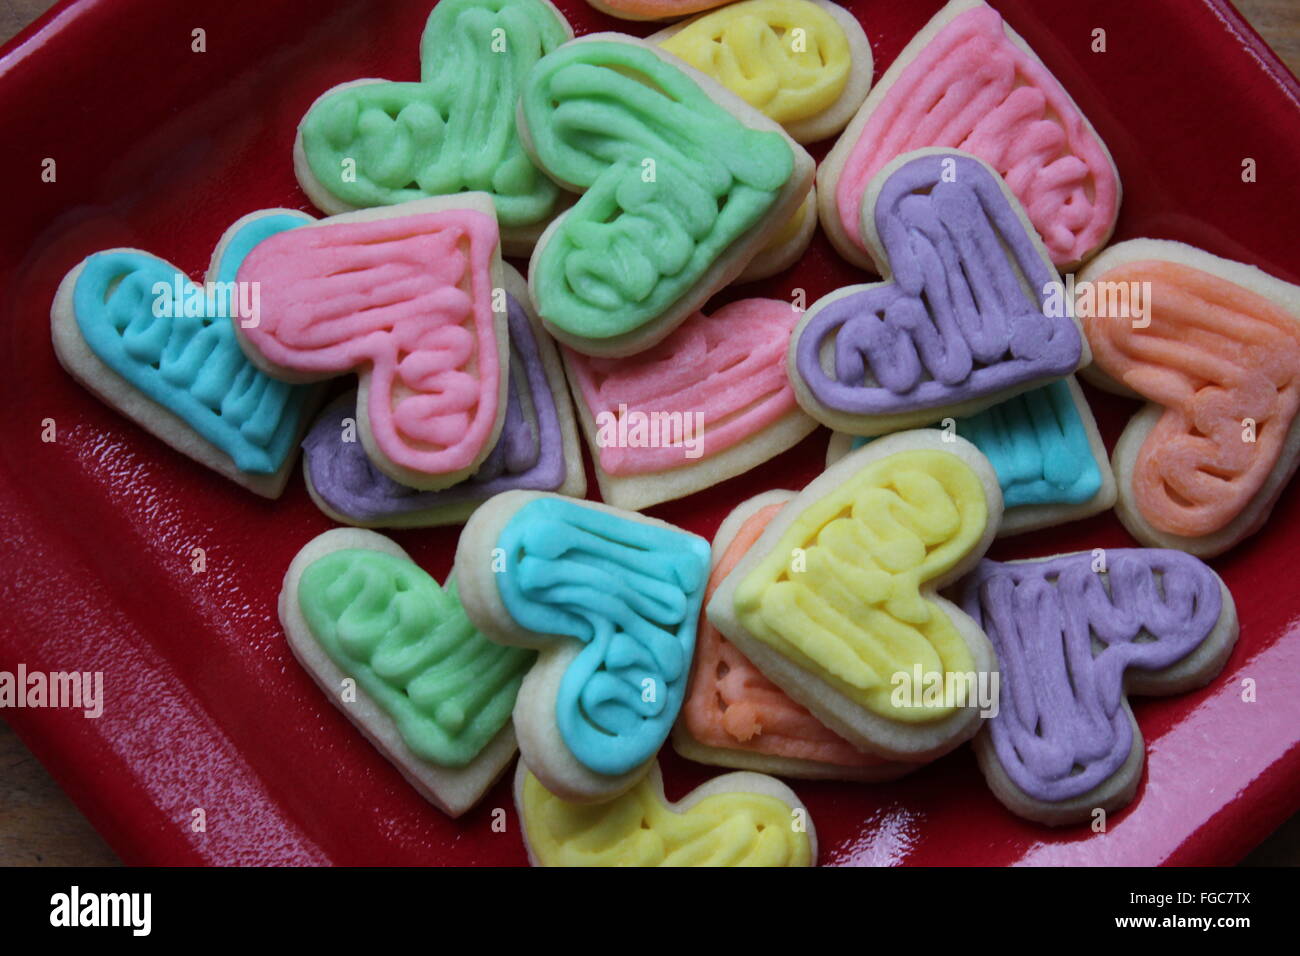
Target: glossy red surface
x=161, y=148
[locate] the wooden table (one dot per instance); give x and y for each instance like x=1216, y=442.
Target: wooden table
x=41, y=826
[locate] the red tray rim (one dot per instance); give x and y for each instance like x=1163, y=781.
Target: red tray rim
x=101, y=798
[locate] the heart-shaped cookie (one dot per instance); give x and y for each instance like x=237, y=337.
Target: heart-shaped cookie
x=396, y=653
x=733, y=716
x=538, y=448
x=1044, y=445
x=406, y=297
x=804, y=63
x=161, y=349
x=612, y=600
x=963, y=319
x=1213, y=346
x=1074, y=637
x=837, y=602
x=737, y=819
x=376, y=143
x=709, y=402
x=682, y=184
x=968, y=81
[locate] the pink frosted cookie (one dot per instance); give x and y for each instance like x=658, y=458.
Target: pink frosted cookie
x=709, y=402
x=406, y=297
x=539, y=447
x=968, y=81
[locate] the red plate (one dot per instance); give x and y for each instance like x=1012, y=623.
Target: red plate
x=161, y=148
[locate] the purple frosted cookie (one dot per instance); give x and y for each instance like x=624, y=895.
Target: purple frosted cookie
x=1075, y=635
x=964, y=319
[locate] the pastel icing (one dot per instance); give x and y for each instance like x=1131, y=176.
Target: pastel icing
x=957, y=320
x=1213, y=354
x=747, y=48
x=852, y=610
x=1064, y=636
x=731, y=705
x=630, y=592
x=972, y=88
x=529, y=454
x=190, y=364
x=729, y=367
x=1037, y=445
x=639, y=828
x=408, y=644
x=406, y=300
x=454, y=130
x=634, y=244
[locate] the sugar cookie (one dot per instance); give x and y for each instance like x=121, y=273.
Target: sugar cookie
x=1216, y=355
x=431, y=693
x=967, y=80
x=804, y=63
x=611, y=599
x=962, y=320
x=737, y=819
x=1045, y=448
x=837, y=602
x=1075, y=635
x=733, y=716
x=376, y=143
x=716, y=387
x=682, y=183
x=538, y=448
x=405, y=296
x=160, y=349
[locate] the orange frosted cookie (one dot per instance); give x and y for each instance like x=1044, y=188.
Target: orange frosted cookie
x=733, y=716
x=653, y=9
x=1213, y=347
